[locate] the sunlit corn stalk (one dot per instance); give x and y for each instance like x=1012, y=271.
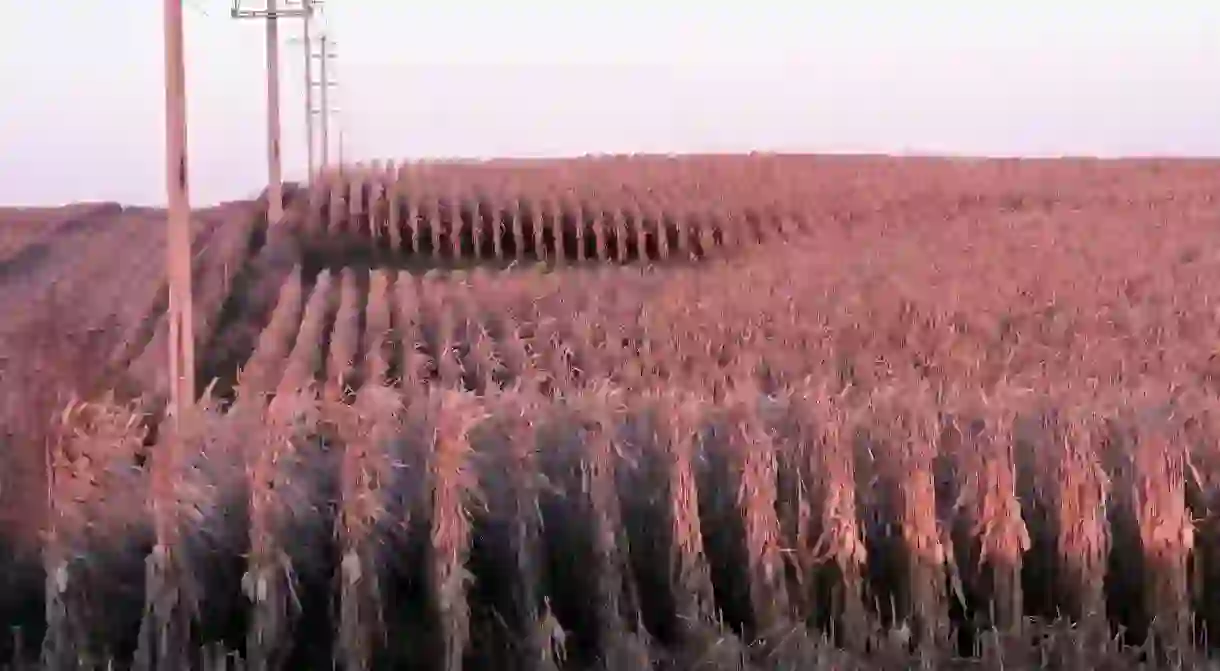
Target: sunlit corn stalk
x=661, y=233
x=831, y=470
x=980, y=438
x=1081, y=501
x=752, y=454
x=691, y=575
x=651, y=331
x=414, y=222
x=386, y=182
x=639, y=232
x=66, y=644
x=63, y=637
x=795, y=445
x=365, y=428
x=620, y=236
x=305, y=359
x=556, y=354
x=94, y=488
x=457, y=225
x=486, y=361
x=171, y=602
x=467, y=329
x=599, y=234
x=578, y=215
x=910, y=448
x=453, y=485
x=262, y=371
x=480, y=229
x=293, y=415
x=555, y=210
x=518, y=229
x=997, y=524
x=544, y=641
x=377, y=331
x=682, y=223
x=537, y=225
x=415, y=363
x=346, y=338
x=705, y=234
x=618, y=605
x=517, y=357
x=394, y=207
x=434, y=224
x=448, y=366
x=587, y=353
x=374, y=200
x=270, y=582
x=597, y=485
x=497, y=231
x=1167, y=533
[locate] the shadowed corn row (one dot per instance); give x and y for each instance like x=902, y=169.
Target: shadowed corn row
x=394, y=213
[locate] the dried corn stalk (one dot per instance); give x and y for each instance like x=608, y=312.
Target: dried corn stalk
x=365, y=429
x=270, y=581
x=1159, y=462
x=1080, y=499
x=172, y=594
x=692, y=581
x=988, y=501
x=453, y=484
x=91, y=481
x=831, y=471
x=906, y=428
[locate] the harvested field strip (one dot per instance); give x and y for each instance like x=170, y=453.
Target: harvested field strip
x=223, y=243
x=146, y=334
x=29, y=236
x=247, y=309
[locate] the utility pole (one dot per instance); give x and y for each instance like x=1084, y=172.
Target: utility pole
x=275, y=195
x=178, y=232
x=309, y=134
x=271, y=14
x=325, y=83
x=311, y=110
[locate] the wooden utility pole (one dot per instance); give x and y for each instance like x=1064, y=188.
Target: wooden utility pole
x=325, y=84
x=309, y=132
x=272, y=14
x=178, y=232
x=307, y=41
x=275, y=195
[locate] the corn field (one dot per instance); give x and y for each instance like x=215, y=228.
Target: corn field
x=755, y=412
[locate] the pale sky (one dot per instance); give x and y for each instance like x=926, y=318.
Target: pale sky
x=81, y=111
